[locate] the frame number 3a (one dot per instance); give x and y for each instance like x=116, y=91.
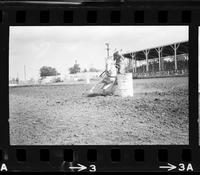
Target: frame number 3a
x=3, y=167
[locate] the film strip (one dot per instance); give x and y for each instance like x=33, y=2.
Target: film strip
x=162, y=143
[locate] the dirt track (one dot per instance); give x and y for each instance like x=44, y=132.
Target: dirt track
x=64, y=115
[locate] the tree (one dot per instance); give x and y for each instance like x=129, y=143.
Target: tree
x=75, y=69
x=48, y=71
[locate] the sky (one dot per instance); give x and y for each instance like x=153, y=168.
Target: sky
x=59, y=46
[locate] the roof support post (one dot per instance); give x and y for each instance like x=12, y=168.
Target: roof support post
x=146, y=52
x=133, y=57
x=159, y=50
x=175, y=47
x=135, y=65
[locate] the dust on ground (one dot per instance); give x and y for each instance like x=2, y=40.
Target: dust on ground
x=64, y=115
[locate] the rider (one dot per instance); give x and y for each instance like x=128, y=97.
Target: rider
x=119, y=62
x=115, y=65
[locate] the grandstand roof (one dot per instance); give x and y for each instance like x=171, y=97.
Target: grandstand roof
x=166, y=51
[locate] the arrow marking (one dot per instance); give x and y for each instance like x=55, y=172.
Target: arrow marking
x=79, y=167
x=169, y=167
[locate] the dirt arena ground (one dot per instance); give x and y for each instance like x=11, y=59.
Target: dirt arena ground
x=64, y=115
x=199, y=118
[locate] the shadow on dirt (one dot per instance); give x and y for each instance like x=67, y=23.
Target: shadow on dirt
x=99, y=94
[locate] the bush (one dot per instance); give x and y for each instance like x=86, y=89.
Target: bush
x=80, y=79
x=58, y=79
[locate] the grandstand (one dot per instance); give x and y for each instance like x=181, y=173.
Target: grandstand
x=166, y=60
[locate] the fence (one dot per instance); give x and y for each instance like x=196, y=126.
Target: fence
x=161, y=74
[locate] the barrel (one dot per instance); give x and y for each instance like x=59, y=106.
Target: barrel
x=87, y=78
x=124, y=86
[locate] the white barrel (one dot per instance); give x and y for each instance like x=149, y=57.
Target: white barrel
x=87, y=78
x=124, y=86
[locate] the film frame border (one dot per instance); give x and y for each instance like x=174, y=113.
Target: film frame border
x=125, y=157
